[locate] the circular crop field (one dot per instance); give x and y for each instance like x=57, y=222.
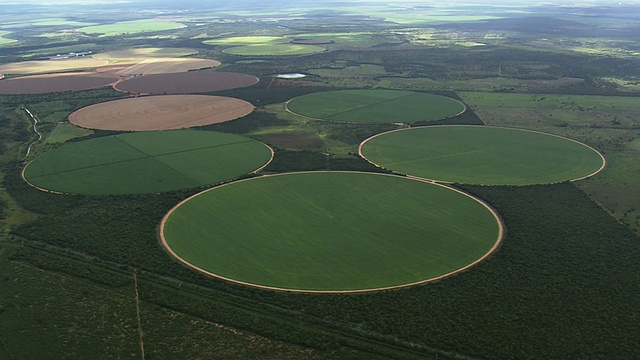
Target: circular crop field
x=274, y=50
x=40, y=84
x=185, y=83
x=146, y=162
x=160, y=112
x=331, y=232
x=482, y=155
x=375, y=106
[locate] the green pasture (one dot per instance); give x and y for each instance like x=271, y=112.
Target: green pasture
x=331, y=231
x=375, y=106
x=64, y=132
x=263, y=46
x=482, y=155
x=146, y=162
x=4, y=40
x=132, y=27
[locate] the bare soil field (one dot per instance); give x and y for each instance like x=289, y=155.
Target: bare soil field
x=39, y=84
x=149, y=66
x=49, y=66
x=160, y=112
x=184, y=83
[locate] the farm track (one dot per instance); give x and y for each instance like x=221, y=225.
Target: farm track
x=140, y=333
x=35, y=129
x=356, y=338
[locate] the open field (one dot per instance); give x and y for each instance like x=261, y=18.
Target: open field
x=331, y=231
x=146, y=162
x=264, y=45
x=65, y=132
x=157, y=66
x=144, y=52
x=375, y=106
x=482, y=155
x=189, y=82
x=49, y=66
x=4, y=40
x=39, y=84
x=160, y=112
x=132, y=27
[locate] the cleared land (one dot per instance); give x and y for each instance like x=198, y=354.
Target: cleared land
x=375, y=106
x=158, y=66
x=132, y=27
x=136, y=53
x=146, y=162
x=49, y=66
x=39, y=84
x=482, y=155
x=189, y=82
x=330, y=231
x=160, y=112
x=4, y=40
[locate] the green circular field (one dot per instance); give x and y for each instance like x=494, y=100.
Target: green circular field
x=375, y=106
x=274, y=50
x=330, y=231
x=146, y=162
x=482, y=155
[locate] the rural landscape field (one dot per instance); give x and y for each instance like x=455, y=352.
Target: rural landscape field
x=360, y=179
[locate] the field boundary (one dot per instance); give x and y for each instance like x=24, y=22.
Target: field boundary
x=464, y=109
x=496, y=245
x=604, y=160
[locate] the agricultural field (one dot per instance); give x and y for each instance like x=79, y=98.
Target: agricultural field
x=375, y=106
x=562, y=284
x=330, y=232
x=264, y=45
x=482, y=155
x=163, y=112
x=47, y=83
x=51, y=66
x=131, y=27
x=184, y=83
x=4, y=40
x=146, y=162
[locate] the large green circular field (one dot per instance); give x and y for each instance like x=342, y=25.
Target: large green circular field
x=330, y=231
x=482, y=155
x=146, y=162
x=375, y=106
x=263, y=46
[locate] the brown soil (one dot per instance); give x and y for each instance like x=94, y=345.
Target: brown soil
x=184, y=83
x=39, y=84
x=160, y=112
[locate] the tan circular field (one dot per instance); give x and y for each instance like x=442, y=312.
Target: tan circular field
x=160, y=112
x=185, y=83
x=39, y=84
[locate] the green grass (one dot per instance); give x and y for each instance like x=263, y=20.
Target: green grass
x=375, y=106
x=482, y=155
x=64, y=132
x=263, y=45
x=132, y=27
x=4, y=40
x=146, y=162
x=331, y=231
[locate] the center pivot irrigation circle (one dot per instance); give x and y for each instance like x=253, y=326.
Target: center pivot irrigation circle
x=160, y=112
x=482, y=155
x=146, y=162
x=375, y=106
x=331, y=232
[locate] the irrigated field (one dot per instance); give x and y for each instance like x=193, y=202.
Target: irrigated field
x=160, y=112
x=482, y=155
x=39, y=84
x=146, y=162
x=158, y=66
x=330, y=231
x=264, y=45
x=375, y=106
x=184, y=83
